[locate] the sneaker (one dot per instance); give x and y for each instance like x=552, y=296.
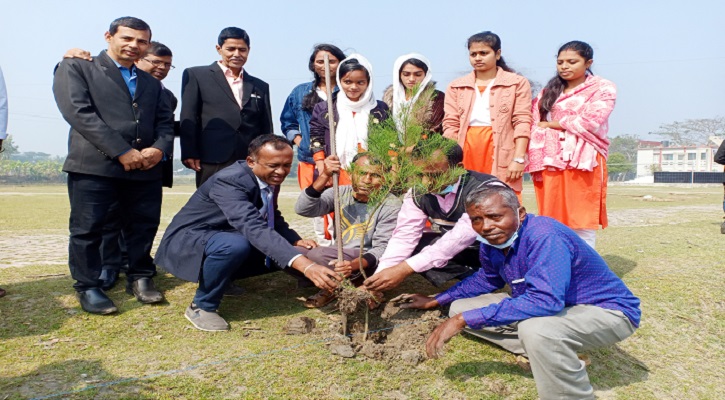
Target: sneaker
x=205, y=320
x=232, y=290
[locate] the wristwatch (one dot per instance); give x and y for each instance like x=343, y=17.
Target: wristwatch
x=519, y=160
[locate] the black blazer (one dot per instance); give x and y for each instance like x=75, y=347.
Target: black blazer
x=229, y=201
x=94, y=99
x=167, y=166
x=213, y=128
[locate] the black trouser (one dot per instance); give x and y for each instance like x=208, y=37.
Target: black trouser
x=100, y=204
x=463, y=265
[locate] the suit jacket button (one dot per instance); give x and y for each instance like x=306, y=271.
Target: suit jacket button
x=135, y=105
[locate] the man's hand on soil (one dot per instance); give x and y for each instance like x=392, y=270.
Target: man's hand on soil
x=388, y=278
x=417, y=301
x=442, y=334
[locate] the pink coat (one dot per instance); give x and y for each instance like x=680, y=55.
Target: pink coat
x=584, y=115
x=510, y=115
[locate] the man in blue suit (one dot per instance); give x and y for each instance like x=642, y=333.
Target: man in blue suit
x=228, y=228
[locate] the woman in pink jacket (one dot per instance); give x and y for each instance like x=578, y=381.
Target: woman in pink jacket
x=569, y=144
x=489, y=113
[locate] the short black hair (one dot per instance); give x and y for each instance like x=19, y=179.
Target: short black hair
x=492, y=188
x=233, y=33
x=159, y=50
x=454, y=153
x=278, y=142
x=129, y=22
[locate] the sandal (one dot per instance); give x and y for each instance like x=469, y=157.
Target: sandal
x=320, y=299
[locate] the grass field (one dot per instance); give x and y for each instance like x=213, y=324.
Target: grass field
x=668, y=249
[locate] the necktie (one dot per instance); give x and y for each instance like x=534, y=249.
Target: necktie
x=268, y=212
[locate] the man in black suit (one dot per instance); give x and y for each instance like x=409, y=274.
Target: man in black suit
x=228, y=227
x=121, y=128
x=223, y=108
x=158, y=62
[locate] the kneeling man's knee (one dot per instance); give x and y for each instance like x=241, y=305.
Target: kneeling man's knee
x=537, y=333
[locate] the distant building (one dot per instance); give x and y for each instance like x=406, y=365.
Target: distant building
x=659, y=156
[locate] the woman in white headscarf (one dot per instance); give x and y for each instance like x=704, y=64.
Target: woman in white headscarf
x=354, y=108
x=411, y=77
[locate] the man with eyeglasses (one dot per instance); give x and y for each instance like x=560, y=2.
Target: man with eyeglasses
x=158, y=62
x=445, y=251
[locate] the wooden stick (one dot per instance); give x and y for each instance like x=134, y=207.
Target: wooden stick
x=333, y=151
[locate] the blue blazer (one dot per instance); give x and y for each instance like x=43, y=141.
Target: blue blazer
x=229, y=201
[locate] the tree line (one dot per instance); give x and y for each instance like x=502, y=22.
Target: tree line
x=38, y=167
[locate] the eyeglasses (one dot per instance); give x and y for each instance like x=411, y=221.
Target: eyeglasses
x=158, y=63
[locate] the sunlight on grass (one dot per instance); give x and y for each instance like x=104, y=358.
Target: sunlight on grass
x=667, y=248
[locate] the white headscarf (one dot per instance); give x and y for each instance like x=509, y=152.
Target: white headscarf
x=352, y=130
x=401, y=106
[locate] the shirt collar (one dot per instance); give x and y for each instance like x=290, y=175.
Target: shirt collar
x=132, y=69
x=228, y=71
x=262, y=185
x=452, y=192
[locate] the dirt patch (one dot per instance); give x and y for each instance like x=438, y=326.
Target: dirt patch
x=299, y=326
x=394, y=334
x=658, y=216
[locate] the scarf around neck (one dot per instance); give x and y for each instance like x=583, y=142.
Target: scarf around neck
x=401, y=106
x=352, y=129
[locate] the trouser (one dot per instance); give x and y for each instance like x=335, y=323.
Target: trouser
x=324, y=254
x=227, y=256
x=207, y=170
x=99, y=204
x=551, y=343
x=461, y=266
x=587, y=235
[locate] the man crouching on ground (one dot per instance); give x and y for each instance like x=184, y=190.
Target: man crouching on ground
x=357, y=219
x=228, y=227
x=564, y=298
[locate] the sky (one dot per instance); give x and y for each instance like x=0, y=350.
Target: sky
x=666, y=57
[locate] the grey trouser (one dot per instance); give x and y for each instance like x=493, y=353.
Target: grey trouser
x=551, y=343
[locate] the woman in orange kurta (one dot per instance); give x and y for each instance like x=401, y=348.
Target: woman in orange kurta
x=569, y=144
x=489, y=113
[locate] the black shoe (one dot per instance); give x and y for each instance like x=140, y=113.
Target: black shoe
x=108, y=278
x=95, y=301
x=144, y=290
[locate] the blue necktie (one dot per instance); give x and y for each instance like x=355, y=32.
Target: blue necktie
x=268, y=209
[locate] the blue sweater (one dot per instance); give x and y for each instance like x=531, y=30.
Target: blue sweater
x=548, y=268
x=296, y=121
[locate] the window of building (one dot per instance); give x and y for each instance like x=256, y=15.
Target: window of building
x=703, y=156
x=680, y=157
x=667, y=157
x=692, y=156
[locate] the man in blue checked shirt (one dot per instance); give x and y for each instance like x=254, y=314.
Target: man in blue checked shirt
x=564, y=298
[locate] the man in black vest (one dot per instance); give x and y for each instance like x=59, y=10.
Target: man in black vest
x=447, y=250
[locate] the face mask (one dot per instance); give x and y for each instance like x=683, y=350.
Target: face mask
x=509, y=242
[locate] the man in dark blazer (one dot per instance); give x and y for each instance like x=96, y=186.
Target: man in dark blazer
x=223, y=108
x=121, y=128
x=157, y=62
x=228, y=227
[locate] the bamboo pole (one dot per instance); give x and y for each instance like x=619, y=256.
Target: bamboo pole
x=333, y=151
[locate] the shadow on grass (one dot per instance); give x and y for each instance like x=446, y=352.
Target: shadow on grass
x=61, y=379
x=611, y=367
x=620, y=265
x=43, y=305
